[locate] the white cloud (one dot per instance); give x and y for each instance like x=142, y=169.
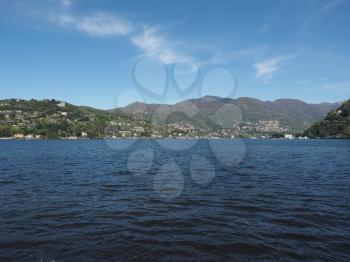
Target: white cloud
x=148, y=39
x=97, y=24
x=266, y=69
x=154, y=45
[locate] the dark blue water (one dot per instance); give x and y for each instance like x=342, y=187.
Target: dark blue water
x=91, y=201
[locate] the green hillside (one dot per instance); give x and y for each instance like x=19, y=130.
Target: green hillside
x=203, y=117
x=52, y=118
x=335, y=125
x=252, y=115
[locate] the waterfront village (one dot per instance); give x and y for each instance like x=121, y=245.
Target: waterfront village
x=17, y=122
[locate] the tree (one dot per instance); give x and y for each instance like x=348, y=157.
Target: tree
x=6, y=131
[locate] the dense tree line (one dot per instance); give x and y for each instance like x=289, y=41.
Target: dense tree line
x=335, y=125
x=47, y=119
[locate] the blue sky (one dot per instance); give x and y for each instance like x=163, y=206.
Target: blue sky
x=110, y=53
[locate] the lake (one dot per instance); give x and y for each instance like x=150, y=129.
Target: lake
x=190, y=200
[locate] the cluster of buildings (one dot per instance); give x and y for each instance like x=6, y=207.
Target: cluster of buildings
x=122, y=128
x=263, y=126
x=259, y=129
x=22, y=119
x=22, y=136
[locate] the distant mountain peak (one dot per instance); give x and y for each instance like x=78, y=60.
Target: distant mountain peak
x=295, y=114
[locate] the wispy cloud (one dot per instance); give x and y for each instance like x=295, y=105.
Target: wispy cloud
x=154, y=45
x=267, y=69
x=66, y=3
x=315, y=18
x=97, y=24
x=329, y=6
x=339, y=87
x=264, y=29
x=228, y=57
x=100, y=24
x=305, y=82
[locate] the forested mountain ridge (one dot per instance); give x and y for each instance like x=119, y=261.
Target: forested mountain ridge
x=203, y=117
x=335, y=125
x=52, y=118
x=282, y=115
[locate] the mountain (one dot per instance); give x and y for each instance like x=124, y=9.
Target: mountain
x=247, y=114
x=335, y=125
x=52, y=118
x=208, y=116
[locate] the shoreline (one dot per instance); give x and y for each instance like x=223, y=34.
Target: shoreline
x=170, y=138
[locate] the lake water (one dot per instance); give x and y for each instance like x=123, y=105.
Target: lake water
x=217, y=200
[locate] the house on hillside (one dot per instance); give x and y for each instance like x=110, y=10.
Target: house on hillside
x=62, y=104
x=288, y=136
x=124, y=133
x=19, y=136
x=30, y=136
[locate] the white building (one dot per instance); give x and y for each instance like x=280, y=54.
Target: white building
x=62, y=104
x=288, y=136
x=19, y=135
x=30, y=136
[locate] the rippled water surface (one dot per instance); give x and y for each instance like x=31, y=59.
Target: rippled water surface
x=95, y=200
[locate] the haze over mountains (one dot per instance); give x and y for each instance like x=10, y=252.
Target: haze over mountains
x=210, y=111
